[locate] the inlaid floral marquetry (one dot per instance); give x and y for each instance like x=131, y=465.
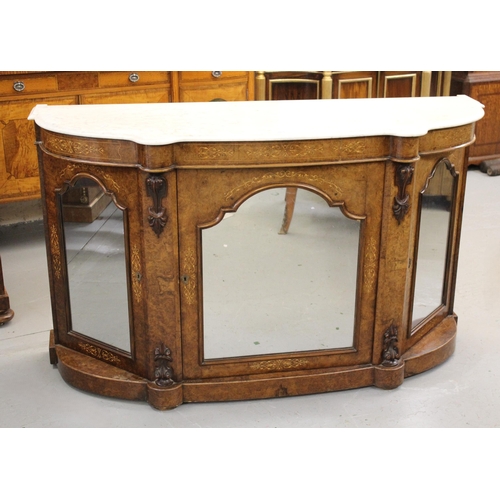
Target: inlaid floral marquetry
x=71, y=146
x=279, y=364
x=98, y=352
x=293, y=152
x=136, y=274
x=370, y=268
x=284, y=175
x=188, y=277
x=73, y=169
x=90, y=149
x=56, y=252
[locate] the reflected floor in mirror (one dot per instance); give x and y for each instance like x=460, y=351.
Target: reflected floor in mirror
x=295, y=291
x=97, y=278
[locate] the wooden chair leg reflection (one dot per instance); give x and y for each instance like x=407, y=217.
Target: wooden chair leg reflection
x=6, y=313
x=290, y=197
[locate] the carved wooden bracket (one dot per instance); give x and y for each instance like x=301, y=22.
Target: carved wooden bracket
x=404, y=175
x=163, y=370
x=390, y=353
x=157, y=189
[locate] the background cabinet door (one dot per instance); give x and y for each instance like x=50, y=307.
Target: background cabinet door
x=400, y=84
x=354, y=84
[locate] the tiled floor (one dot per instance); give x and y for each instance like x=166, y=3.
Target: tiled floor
x=463, y=392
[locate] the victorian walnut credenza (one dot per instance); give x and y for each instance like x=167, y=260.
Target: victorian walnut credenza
x=183, y=290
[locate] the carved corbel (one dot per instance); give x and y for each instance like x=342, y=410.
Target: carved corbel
x=390, y=352
x=156, y=187
x=163, y=370
x=404, y=175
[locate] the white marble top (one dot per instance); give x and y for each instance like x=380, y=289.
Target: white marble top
x=167, y=123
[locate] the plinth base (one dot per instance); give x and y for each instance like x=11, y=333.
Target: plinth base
x=93, y=375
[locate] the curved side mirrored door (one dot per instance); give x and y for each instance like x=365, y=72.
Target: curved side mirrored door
x=95, y=256
x=265, y=292
x=433, y=237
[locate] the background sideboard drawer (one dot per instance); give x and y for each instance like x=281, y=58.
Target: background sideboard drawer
x=236, y=92
x=130, y=78
x=22, y=85
x=211, y=76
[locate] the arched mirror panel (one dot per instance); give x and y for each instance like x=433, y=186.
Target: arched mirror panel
x=266, y=292
x=94, y=228
x=434, y=233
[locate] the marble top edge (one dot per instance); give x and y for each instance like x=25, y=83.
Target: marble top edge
x=242, y=121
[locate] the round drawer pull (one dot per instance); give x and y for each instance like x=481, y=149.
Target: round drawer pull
x=133, y=77
x=19, y=86
x=216, y=74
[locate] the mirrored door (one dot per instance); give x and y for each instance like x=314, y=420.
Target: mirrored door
x=94, y=228
x=434, y=236
x=254, y=296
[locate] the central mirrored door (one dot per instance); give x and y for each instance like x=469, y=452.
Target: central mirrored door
x=266, y=292
x=257, y=294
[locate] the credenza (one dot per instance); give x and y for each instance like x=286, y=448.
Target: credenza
x=183, y=290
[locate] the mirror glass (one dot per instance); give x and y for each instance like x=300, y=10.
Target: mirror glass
x=266, y=292
x=433, y=235
x=95, y=256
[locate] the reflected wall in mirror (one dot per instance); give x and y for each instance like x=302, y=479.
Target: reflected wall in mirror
x=265, y=292
x=95, y=255
x=433, y=236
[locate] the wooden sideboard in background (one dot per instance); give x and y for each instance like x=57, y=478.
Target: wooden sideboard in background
x=484, y=86
x=284, y=85
x=21, y=91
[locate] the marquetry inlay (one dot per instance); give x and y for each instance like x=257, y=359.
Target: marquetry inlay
x=73, y=169
x=188, y=277
x=98, y=352
x=279, y=364
x=446, y=140
x=370, y=271
x=90, y=149
x=136, y=274
x=72, y=146
x=56, y=252
x=283, y=176
x=292, y=152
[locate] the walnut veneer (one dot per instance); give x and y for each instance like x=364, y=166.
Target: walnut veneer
x=169, y=191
